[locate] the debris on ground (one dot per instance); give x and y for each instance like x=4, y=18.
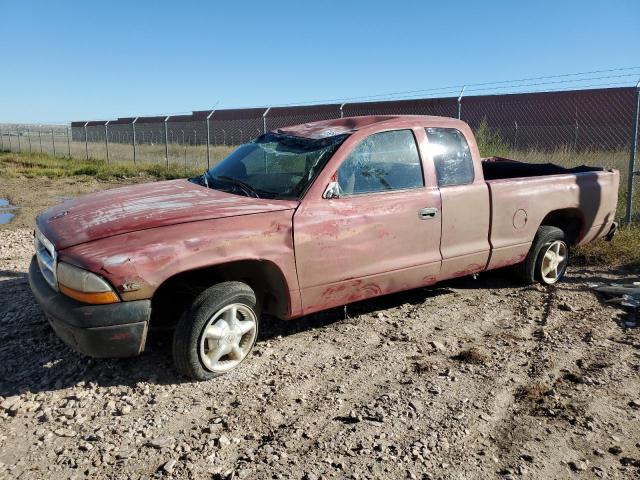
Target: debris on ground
x=624, y=294
x=627, y=295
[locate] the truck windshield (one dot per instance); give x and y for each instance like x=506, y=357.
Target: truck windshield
x=271, y=166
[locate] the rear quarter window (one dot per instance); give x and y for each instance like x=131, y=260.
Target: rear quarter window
x=451, y=156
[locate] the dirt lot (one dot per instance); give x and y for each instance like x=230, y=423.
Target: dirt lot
x=473, y=379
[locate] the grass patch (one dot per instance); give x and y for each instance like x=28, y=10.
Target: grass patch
x=533, y=392
x=32, y=165
x=489, y=141
x=623, y=250
x=474, y=356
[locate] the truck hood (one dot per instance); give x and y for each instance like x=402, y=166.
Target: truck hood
x=140, y=207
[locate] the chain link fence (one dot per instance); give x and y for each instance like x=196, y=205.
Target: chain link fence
x=50, y=139
x=568, y=127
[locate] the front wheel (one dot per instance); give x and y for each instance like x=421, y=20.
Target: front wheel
x=217, y=332
x=548, y=257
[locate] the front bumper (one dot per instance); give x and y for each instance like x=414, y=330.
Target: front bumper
x=112, y=330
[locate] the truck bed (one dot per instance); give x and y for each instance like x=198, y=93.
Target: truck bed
x=499, y=168
x=524, y=196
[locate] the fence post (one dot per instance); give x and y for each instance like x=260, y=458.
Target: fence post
x=184, y=143
x=106, y=138
x=460, y=103
x=86, y=141
x=264, y=120
x=40, y=138
x=632, y=157
x=29, y=138
x=166, y=140
x=10, y=147
x=68, y=143
x=209, y=139
x=19, y=146
x=341, y=112
x=1, y=141
x=53, y=142
x=133, y=137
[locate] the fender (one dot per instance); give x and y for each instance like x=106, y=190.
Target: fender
x=155, y=255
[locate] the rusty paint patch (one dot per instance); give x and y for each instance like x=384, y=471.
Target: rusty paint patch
x=470, y=270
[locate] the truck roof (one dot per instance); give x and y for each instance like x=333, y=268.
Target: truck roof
x=348, y=125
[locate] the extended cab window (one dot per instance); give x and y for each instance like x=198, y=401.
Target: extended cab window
x=451, y=156
x=382, y=161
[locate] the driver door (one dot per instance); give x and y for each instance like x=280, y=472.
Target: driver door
x=382, y=233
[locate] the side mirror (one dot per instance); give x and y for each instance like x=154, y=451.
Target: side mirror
x=332, y=191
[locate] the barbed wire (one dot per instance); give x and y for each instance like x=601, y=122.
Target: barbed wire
x=456, y=88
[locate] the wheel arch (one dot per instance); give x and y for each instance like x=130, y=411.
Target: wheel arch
x=263, y=276
x=569, y=220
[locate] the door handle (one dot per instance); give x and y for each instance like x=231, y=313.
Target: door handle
x=427, y=213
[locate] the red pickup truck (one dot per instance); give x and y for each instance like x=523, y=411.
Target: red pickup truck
x=303, y=219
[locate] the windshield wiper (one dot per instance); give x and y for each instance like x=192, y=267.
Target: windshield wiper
x=245, y=186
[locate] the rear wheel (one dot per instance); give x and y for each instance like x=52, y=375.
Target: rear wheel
x=548, y=257
x=553, y=260
x=217, y=332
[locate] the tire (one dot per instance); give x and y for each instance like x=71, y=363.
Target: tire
x=216, y=321
x=531, y=270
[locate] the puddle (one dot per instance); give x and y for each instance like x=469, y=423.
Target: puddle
x=6, y=217
x=5, y=211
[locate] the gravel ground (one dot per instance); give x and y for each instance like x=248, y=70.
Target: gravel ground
x=471, y=379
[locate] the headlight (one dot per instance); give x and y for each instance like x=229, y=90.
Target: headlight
x=84, y=286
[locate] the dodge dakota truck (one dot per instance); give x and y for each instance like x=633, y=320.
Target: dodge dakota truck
x=303, y=219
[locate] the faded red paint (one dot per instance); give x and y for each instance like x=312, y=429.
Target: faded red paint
x=139, y=207
x=498, y=262
x=329, y=252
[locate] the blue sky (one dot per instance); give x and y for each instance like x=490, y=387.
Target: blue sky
x=75, y=60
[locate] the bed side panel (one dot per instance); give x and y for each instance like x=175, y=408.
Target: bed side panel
x=520, y=205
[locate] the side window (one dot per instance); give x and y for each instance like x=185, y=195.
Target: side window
x=451, y=155
x=382, y=161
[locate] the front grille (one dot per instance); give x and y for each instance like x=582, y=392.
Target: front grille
x=46, y=255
